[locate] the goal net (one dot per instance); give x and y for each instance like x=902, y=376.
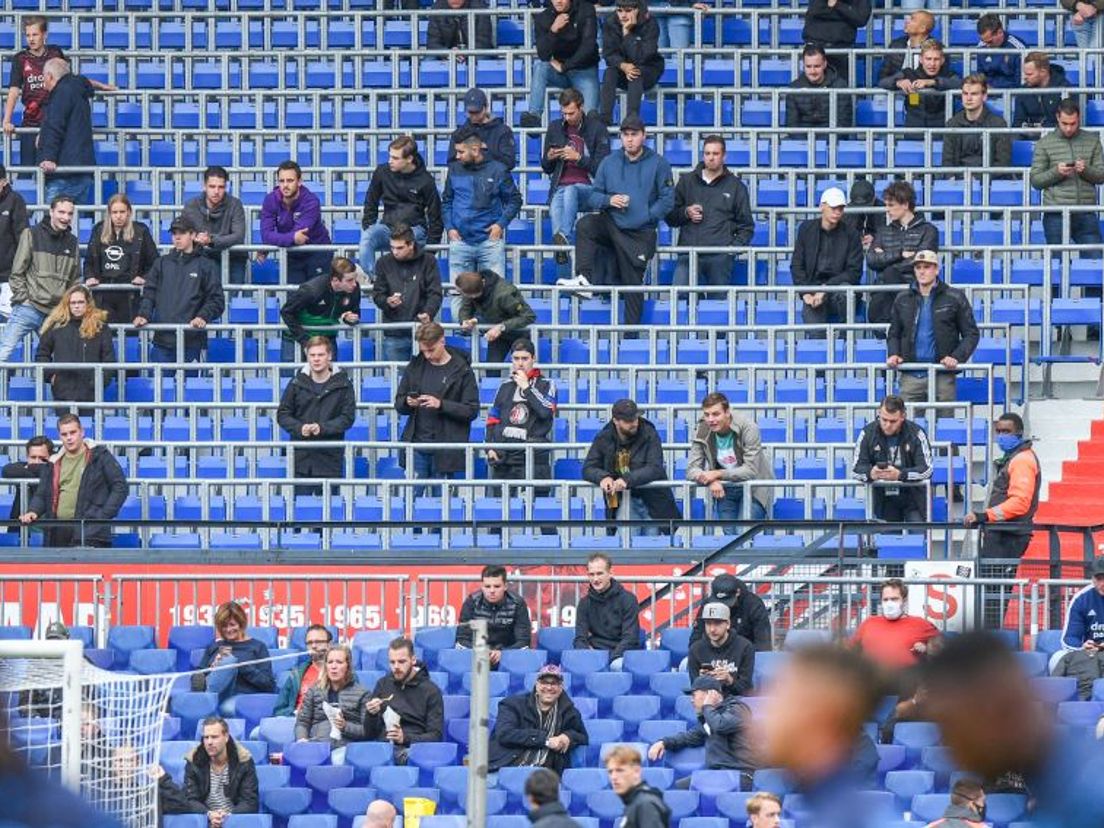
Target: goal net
x=94, y=731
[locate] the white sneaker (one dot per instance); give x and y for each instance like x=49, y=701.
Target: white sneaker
x=577, y=282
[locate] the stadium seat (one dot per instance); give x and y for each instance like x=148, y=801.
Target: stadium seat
x=321, y=779
x=286, y=802
x=634, y=709
x=277, y=731
x=929, y=807
x=193, y=708
x=428, y=756
x=642, y=664
x=348, y=803
x=150, y=662
x=1055, y=689
x=905, y=784
x=677, y=641
x=555, y=640
x=392, y=781
x=303, y=755
x=670, y=687
x=270, y=776
x=123, y=640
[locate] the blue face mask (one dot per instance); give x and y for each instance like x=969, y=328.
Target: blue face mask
x=1007, y=442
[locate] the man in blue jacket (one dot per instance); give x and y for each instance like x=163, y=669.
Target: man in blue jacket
x=65, y=137
x=633, y=190
x=1082, y=653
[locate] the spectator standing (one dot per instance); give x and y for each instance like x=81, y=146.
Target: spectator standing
x=499, y=141
x=81, y=482
x=455, y=31
x=39, y=450
x=566, y=32
x=1037, y=105
x=644, y=805
x=13, y=221
x=630, y=48
x=1082, y=651
x=44, y=267
x=440, y=398
x=182, y=288
x=827, y=251
x=1067, y=166
x=26, y=82
x=523, y=411
x=720, y=654
x=890, y=450
x=220, y=221
x=627, y=455
x=930, y=322
x=233, y=646
x=712, y=209
x=748, y=615
x=1002, y=69
x=409, y=693
x=965, y=147
x=337, y=686
x=408, y=193
x=506, y=614
x=120, y=253
x=65, y=135
x=925, y=87
x=291, y=216
x=764, y=810
x=486, y=299
x=904, y=51
x=537, y=728
x=633, y=190
x=220, y=778
x=479, y=203
x=75, y=331
x=726, y=451
x=894, y=639
x=815, y=110
x=319, y=307
x=895, y=245
x=966, y=808
x=304, y=676
x=318, y=404
x=407, y=288
x=542, y=793
x=833, y=24
x=1085, y=17
x=607, y=617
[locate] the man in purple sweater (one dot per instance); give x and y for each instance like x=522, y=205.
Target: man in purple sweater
x=291, y=216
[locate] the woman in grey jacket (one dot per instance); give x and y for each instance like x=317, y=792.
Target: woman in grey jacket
x=336, y=686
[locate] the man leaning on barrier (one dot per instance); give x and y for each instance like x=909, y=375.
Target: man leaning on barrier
x=892, y=451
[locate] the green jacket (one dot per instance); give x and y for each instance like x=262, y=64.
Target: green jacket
x=289, y=692
x=500, y=304
x=1077, y=188
x=46, y=265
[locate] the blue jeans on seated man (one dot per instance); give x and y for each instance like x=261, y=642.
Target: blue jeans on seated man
x=544, y=76
x=730, y=507
x=24, y=319
x=78, y=186
x=425, y=468
x=377, y=239
x=638, y=510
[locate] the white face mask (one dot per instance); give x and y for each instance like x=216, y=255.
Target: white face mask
x=892, y=609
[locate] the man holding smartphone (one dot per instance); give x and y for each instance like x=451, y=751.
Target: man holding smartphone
x=893, y=450
x=523, y=411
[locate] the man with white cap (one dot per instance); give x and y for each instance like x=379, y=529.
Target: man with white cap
x=930, y=322
x=720, y=653
x=827, y=251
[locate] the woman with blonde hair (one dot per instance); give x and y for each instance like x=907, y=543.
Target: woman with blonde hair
x=120, y=252
x=336, y=686
x=75, y=332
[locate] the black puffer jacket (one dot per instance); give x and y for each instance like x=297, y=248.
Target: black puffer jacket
x=179, y=288
x=508, y=623
x=333, y=407
x=576, y=44
x=726, y=210
x=419, y=705
x=835, y=26
x=64, y=343
x=886, y=258
x=450, y=31
x=407, y=198
x=102, y=491
x=639, y=47
x=814, y=110
x=13, y=221
x=956, y=331
x=608, y=620
x=518, y=729
x=459, y=406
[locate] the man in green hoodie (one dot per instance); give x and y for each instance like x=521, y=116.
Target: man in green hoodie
x=486, y=299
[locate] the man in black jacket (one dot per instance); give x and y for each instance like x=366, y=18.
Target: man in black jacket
x=65, y=137
x=454, y=31
x=566, y=32
x=440, y=398
x=318, y=404
x=930, y=322
x=506, y=614
x=608, y=616
x=712, y=209
x=183, y=288
x=523, y=411
x=220, y=220
x=814, y=111
x=409, y=693
x=965, y=147
x=319, y=306
x=499, y=141
x=895, y=245
x=833, y=24
x=644, y=805
x=218, y=757
x=81, y=482
x=407, y=289
x=893, y=450
x=627, y=454
x=408, y=193
x=904, y=51
x=747, y=614
x=542, y=791
x=39, y=451
x=925, y=88
x=630, y=48
x=13, y=221
x=538, y=728
x=1037, y=105
x=721, y=654
x=827, y=251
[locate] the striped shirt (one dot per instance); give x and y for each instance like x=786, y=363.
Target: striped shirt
x=217, y=800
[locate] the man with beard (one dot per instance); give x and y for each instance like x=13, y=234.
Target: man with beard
x=748, y=615
x=538, y=728
x=410, y=694
x=607, y=617
x=220, y=778
x=220, y=220
x=303, y=677
x=813, y=111
x=721, y=654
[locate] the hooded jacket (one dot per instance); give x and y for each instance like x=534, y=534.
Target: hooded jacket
x=417, y=280
x=478, y=196
x=524, y=417
x=886, y=258
x=826, y=257
x=65, y=136
x=576, y=44
x=835, y=26
x=723, y=731
x=608, y=620
x=1053, y=149
x=518, y=730
x=644, y=808
x=241, y=788
x=180, y=287
x=736, y=655
x=280, y=223
x=749, y=619
x=459, y=406
x=647, y=182
x=100, y=496
x=333, y=407
x=965, y=147
x=225, y=224
x=755, y=461
x=508, y=623
x=312, y=723
x=956, y=331
x=931, y=110
x=1039, y=106
x=726, y=210
x=64, y=343
x=498, y=139
x=958, y=816
x=913, y=459
x=450, y=31
x=814, y=110
x=645, y=466
x=419, y=705
x=862, y=196
x=45, y=266
x=315, y=309
x=13, y=221
x=639, y=47
x=596, y=144
x=552, y=814
x=408, y=198
x=500, y=303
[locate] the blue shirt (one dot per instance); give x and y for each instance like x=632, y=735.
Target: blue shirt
x=925, y=331
x=1084, y=619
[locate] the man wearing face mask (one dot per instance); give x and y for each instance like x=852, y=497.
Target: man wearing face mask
x=966, y=809
x=894, y=639
x=1013, y=494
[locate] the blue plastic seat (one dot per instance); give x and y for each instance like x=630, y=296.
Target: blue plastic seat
x=303, y=755
x=428, y=756
x=644, y=663
x=392, y=781
x=905, y=784
x=193, y=708
x=123, y=640
x=915, y=736
x=519, y=663
x=670, y=687
x=149, y=662
x=367, y=756
x=634, y=709
x=269, y=776
x=599, y=732
x=775, y=780
x=582, y=662
x=348, y=803
x=555, y=640
x=286, y=802
x=1055, y=689
x=607, y=686
x=930, y=807
x=312, y=821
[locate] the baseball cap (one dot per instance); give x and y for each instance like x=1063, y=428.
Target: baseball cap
x=724, y=586
x=182, y=224
x=625, y=410
x=475, y=100
x=716, y=611
x=57, y=631
x=550, y=671
x=925, y=256
x=705, y=683
x=632, y=123
x=833, y=197
x=1097, y=567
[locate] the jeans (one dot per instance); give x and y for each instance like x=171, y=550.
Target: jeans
x=28, y=152
x=675, y=30
x=563, y=209
x=302, y=267
x=464, y=257
x=77, y=186
x=377, y=239
x=24, y=319
x=1084, y=229
x=730, y=506
x=159, y=353
x=543, y=76
x=425, y=467
x=714, y=269
x=396, y=349
x=638, y=510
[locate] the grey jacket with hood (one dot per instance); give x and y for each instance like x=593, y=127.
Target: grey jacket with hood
x=755, y=461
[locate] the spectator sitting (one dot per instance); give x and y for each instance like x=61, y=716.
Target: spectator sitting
x=925, y=87
x=537, y=728
x=65, y=137
x=722, y=727
x=542, y=793
x=630, y=48
x=894, y=639
x=895, y=244
x=75, y=332
x=319, y=307
x=904, y=51
x=13, y=221
x=748, y=615
x=39, y=450
x=233, y=646
x=764, y=809
x=304, y=676
x=1039, y=106
x=833, y=24
x=965, y=147
x=120, y=253
x=1082, y=651
x=607, y=617
x=1002, y=71
x=220, y=778
x=336, y=686
x=814, y=111
x=499, y=141
x=407, y=288
x=566, y=32
x=454, y=31
x=966, y=808
x=291, y=216
x=489, y=300
x=827, y=251
x=726, y=451
x=644, y=805
x=409, y=694
x=889, y=450
x=220, y=220
x=506, y=614
x=627, y=455
x=722, y=654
